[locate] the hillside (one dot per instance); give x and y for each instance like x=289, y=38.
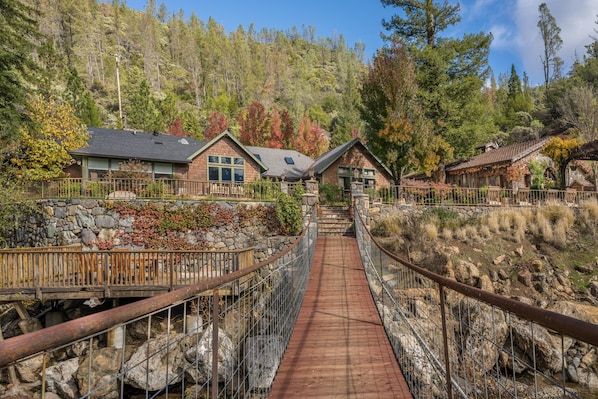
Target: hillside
x=540, y=256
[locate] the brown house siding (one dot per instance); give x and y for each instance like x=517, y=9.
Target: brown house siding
x=355, y=158
x=198, y=169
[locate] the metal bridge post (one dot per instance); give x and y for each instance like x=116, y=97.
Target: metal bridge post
x=215, y=312
x=447, y=363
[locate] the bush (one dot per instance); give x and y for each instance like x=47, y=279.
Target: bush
x=332, y=195
x=288, y=213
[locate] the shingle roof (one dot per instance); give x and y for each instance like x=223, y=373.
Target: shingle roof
x=125, y=144
x=328, y=158
x=511, y=153
x=274, y=159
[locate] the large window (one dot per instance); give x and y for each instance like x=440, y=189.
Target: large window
x=349, y=174
x=226, y=169
x=98, y=168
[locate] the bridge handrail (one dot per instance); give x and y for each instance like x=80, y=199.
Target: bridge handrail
x=564, y=324
x=22, y=346
x=427, y=316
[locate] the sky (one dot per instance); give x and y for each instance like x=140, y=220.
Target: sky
x=513, y=24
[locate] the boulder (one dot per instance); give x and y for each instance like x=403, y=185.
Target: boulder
x=478, y=322
x=165, y=363
x=103, y=367
x=60, y=378
x=263, y=354
x=200, y=356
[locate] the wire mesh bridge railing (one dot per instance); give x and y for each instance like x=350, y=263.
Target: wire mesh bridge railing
x=191, y=342
x=456, y=341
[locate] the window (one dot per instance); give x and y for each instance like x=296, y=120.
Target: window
x=348, y=174
x=226, y=169
x=289, y=160
x=98, y=168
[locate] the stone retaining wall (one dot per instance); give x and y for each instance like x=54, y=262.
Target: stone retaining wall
x=65, y=222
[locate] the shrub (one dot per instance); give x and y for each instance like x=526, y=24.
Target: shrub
x=332, y=194
x=288, y=213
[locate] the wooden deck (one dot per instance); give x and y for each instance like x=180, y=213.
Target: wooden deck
x=339, y=348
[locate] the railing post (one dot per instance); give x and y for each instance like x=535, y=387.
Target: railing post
x=447, y=363
x=215, y=312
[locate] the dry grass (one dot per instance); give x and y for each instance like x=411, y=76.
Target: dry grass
x=461, y=234
x=430, y=231
x=390, y=226
x=485, y=231
x=447, y=234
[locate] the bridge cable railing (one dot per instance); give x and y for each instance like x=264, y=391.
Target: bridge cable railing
x=220, y=338
x=454, y=340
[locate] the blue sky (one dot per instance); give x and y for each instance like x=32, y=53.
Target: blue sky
x=513, y=24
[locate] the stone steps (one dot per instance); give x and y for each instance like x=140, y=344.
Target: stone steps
x=335, y=221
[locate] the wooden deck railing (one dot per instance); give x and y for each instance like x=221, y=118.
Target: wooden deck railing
x=35, y=270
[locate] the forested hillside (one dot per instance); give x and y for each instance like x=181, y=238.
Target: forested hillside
x=424, y=100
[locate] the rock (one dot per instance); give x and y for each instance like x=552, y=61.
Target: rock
x=485, y=283
x=519, y=251
x=16, y=392
x=61, y=378
x=499, y=259
x=466, y=272
x=105, y=365
x=29, y=369
x=588, y=268
x=263, y=354
x=201, y=355
x=538, y=342
x=482, y=320
x=536, y=265
x=164, y=364
x=525, y=277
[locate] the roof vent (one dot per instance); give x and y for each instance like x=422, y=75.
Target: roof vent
x=158, y=142
x=134, y=132
x=184, y=141
x=156, y=133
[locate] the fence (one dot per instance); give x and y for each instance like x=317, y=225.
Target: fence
x=454, y=340
x=263, y=190
x=192, y=341
x=492, y=196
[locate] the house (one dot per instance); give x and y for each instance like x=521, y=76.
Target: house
x=505, y=167
x=222, y=160
x=350, y=162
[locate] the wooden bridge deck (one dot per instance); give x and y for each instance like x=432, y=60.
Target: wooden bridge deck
x=339, y=348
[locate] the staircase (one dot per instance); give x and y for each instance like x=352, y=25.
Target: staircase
x=335, y=221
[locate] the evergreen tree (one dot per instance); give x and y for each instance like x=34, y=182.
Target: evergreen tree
x=18, y=32
x=551, y=38
x=450, y=72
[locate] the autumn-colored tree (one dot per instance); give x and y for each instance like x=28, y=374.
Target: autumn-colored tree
x=176, y=129
x=558, y=149
x=275, y=139
x=310, y=138
x=287, y=127
x=397, y=130
x=218, y=124
x=44, y=147
x=255, y=125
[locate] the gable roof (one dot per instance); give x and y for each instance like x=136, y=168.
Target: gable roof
x=508, y=154
x=325, y=160
x=126, y=144
x=277, y=165
x=227, y=134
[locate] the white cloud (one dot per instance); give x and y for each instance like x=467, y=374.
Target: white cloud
x=576, y=18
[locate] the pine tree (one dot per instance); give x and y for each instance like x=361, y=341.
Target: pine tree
x=18, y=32
x=450, y=72
x=551, y=38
